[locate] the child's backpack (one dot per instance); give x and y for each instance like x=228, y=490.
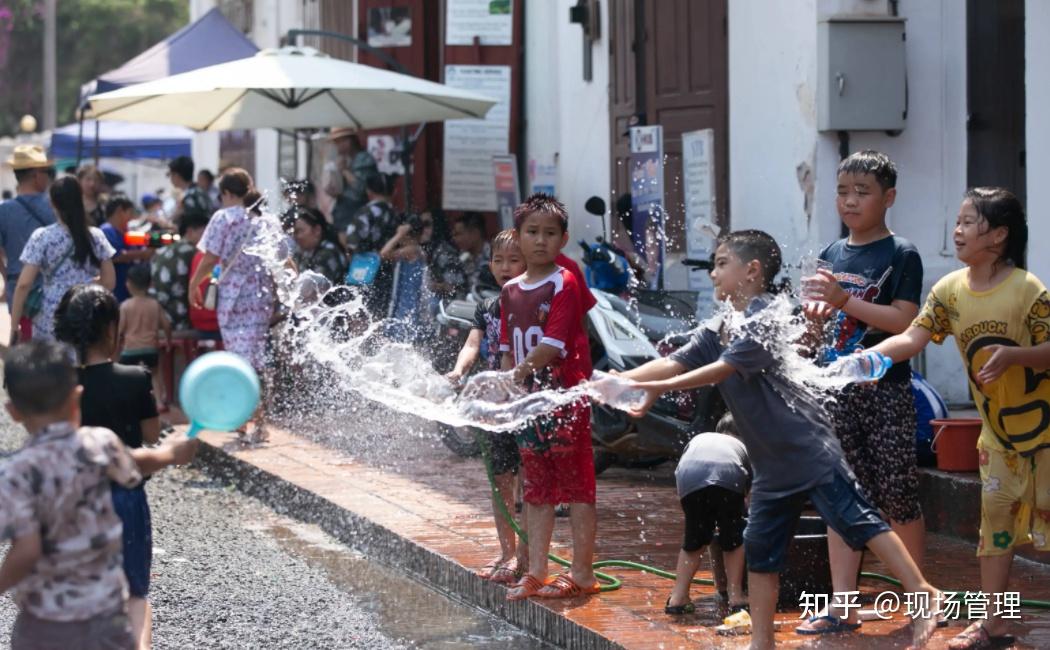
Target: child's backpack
x=928, y=406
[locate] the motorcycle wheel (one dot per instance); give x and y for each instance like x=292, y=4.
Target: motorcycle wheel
x=461, y=440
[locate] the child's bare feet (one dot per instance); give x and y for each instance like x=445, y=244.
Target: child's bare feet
x=923, y=627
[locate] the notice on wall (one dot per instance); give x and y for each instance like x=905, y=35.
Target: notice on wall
x=471, y=143
x=508, y=194
x=647, y=196
x=543, y=174
x=490, y=20
x=389, y=27
x=698, y=175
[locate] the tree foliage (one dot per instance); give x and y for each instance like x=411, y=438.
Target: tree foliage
x=94, y=36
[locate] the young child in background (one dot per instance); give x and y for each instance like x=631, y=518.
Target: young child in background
x=542, y=339
x=119, y=398
x=64, y=559
x=713, y=477
x=405, y=251
x=999, y=314
x=506, y=263
x=871, y=293
x=796, y=460
x=141, y=321
x=119, y=213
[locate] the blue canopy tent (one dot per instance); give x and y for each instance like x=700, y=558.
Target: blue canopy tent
x=209, y=40
x=122, y=140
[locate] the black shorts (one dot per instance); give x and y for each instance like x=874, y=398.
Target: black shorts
x=711, y=507
x=504, y=453
x=147, y=359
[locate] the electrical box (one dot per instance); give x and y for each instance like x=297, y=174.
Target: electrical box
x=862, y=81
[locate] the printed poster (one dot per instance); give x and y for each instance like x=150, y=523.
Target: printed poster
x=386, y=149
x=471, y=143
x=543, y=175
x=647, y=196
x=698, y=176
x=508, y=194
x=389, y=27
x=490, y=20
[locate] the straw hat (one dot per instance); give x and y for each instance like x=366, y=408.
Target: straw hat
x=341, y=132
x=29, y=156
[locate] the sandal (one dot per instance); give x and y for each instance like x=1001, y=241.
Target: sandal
x=736, y=624
x=563, y=586
x=508, y=573
x=527, y=587
x=678, y=610
x=835, y=625
x=976, y=637
x=486, y=572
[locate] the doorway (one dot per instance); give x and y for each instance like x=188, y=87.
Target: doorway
x=995, y=94
x=669, y=65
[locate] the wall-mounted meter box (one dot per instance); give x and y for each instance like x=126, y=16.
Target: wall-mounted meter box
x=861, y=74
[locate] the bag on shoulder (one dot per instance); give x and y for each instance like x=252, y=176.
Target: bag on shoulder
x=363, y=269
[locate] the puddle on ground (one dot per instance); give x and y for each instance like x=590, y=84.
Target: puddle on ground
x=402, y=608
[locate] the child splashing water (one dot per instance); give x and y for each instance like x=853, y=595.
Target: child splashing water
x=507, y=262
x=999, y=315
x=794, y=454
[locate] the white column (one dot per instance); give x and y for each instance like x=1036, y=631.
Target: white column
x=1037, y=134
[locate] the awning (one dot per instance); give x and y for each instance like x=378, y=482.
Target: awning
x=122, y=140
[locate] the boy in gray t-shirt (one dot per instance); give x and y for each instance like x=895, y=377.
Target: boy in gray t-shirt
x=713, y=477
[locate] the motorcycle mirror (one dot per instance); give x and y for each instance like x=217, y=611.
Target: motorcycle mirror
x=596, y=206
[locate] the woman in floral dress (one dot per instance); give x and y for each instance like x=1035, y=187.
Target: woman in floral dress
x=63, y=254
x=246, y=246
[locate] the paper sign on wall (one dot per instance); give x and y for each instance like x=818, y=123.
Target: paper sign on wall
x=647, y=196
x=508, y=196
x=492, y=21
x=471, y=143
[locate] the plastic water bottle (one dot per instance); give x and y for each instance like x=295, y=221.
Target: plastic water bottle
x=864, y=367
x=617, y=392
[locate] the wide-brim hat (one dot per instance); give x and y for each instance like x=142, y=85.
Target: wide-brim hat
x=29, y=156
x=341, y=132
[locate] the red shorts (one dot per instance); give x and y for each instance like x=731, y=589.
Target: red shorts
x=557, y=459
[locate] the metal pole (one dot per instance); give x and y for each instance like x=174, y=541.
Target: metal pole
x=50, y=84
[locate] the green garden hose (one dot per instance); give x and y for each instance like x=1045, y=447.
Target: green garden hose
x=611, y=583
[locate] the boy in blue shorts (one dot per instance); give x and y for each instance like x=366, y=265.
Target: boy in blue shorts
x=506, y=263
x=794, y=454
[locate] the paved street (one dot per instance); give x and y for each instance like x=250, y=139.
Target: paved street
x=229, y=573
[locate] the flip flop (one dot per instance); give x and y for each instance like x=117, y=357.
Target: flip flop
x=527, y=587
x=736, y=624
x=975, y=637
x=486, y=572
x=679, y=610
x=563, y=586
x=505, y=574
x=836, y=625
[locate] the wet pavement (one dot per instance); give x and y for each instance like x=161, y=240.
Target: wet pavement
x=394, y=474
x=229, y=573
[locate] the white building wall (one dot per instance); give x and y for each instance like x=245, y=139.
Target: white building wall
x=774, y=143
x=567, y=118
x=205, y=149
x=1037, y=134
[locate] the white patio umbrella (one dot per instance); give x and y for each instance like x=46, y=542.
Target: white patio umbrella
x=288, y=88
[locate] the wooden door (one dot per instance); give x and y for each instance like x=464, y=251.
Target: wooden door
x=996, y=94
x=669, y=66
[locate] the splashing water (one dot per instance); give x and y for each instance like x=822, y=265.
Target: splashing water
x=331, y=326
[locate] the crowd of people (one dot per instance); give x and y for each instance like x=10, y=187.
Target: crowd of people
x=744, y=485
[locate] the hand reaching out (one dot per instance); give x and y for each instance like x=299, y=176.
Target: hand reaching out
x=1001, y=359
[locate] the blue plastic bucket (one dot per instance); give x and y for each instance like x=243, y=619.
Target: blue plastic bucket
x=219, y=391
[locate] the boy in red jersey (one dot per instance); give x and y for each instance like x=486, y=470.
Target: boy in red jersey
x=543, y=341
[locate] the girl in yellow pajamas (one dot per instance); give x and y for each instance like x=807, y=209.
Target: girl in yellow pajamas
x=999, y=314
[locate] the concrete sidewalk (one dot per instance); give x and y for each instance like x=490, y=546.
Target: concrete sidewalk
x=428, y=514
